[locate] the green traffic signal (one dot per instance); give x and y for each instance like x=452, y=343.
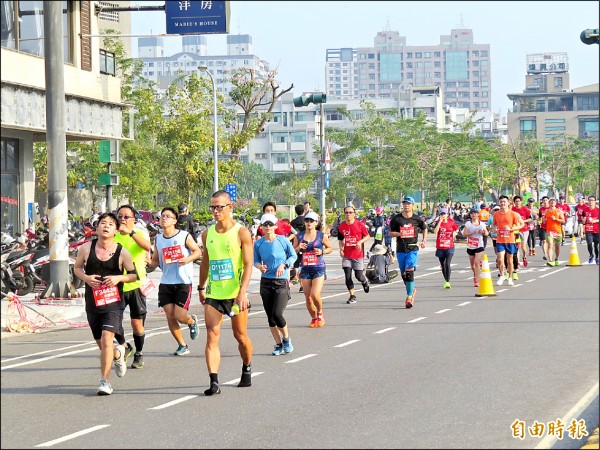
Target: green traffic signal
x=304, y=100
x=589, y=36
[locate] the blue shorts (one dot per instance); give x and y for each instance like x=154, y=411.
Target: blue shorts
x=310, y=273
x=407, y=260
x=443, y=252
x=511, y=249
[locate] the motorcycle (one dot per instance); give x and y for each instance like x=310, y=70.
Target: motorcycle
x=17, y=273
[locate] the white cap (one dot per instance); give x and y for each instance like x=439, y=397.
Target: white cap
x=268, y=218
x=312, y=215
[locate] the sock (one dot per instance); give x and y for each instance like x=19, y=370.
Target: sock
x=246, y=379
x=214, y=385
x=139, y=342
x=285, y=340
x=410, y=287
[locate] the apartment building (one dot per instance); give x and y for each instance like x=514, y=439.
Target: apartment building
x=548, y=108
x=163, y=70
x=458, y=65
x=94, y=110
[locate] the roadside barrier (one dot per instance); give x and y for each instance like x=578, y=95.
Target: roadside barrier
x=574, y=255
x=486, y=286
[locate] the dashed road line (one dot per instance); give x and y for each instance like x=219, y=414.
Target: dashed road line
x=237, y=380
x=353, y=341
x=464, y=303
x=441, y=311
x=174, y=402
x=385, y=330
x=291, y=361
x=72, y=436
x=416, y=320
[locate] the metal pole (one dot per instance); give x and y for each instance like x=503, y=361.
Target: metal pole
x=215, y=149
x=109, y=191
x=322, y=200
x=56, y=142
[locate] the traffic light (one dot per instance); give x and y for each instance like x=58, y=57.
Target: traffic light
x=589, y=36
x=304, y=100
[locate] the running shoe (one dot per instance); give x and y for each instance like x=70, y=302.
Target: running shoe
x=138, y=361
x=313, y=323
x=476, y=283
x=366, y=287
x=533, y=252
x=301, y=290
x=287, y=345
x=278, y=350
x=544, y=258
x=525, y=263
x=447, y=285
x=597, y=261
x=500, y=281
x=120, y=365
x=104, y=388
x=591, y=260
x=515, y=276
x=511, y=282
x=320, y=320
x=351, y=300
x=194, y=328
x=550, y=263
x=410, y=299
x=556, y=263
x=213, y=389
x=128, y=351
x=182, y=350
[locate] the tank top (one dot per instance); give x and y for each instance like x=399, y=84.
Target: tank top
x=138, y=254
x=475, y=238
x=225, y=264
x=170, y=250
x=103, y=299
x=308, y=258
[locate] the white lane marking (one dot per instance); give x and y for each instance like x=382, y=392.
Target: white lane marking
x=48, y=351
x=72, y=436
x=416, y=320
x=463, y=304
x=26, y=363
x=573, y=414
x=385, y=330
x=353, y=341
x=553, y=272
x=310, y=355
x=237, y=380
x=529, y=281
x=517, y=285
x=441, y=311
x=174, y=402
x=502, y=290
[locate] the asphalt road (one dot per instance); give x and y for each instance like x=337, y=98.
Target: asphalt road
x=455, y=371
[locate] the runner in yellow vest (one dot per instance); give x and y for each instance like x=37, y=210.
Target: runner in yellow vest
x=225, y=274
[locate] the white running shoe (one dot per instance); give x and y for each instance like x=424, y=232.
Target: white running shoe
x=511, y=282
x=120, y=364
x=500, y=281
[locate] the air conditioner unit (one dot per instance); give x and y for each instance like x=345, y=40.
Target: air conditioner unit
x=565, y=90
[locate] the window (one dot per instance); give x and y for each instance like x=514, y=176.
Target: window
x=437, y=54
x=588, y=128
x=261, y=156
x=409, y=55
x=29, y=27
x=418, y=54
x=334, y=114
x=587, y=103
x=279, y=137
x=540, y=105
x=558, y=82
x=298, y=136
x=10, y=185
x=528, y=128
x=300, y=116
x=279, y=158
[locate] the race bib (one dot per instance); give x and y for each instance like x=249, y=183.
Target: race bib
x=350, y=241
x=589, y=227
x=172, y=254
x=553, y=234
x=105, y=295
x=221, y=269
x=309, y=259
x=504, y=233
x=472, y=242
x=147, y=287
x=407, y=232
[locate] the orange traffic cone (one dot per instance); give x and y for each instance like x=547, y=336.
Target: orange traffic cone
x=574, y=255
x=486, y=287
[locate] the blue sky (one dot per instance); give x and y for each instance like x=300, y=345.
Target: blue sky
x=293, y=35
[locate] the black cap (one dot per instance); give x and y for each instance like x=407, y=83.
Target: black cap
x=182, y=207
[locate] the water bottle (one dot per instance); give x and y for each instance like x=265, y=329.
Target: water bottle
x=235, y=310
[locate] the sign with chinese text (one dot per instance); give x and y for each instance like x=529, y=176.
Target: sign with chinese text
x=197, y=17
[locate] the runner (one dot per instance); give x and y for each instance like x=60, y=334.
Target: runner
x=580, y=209
x=446, y=230
x=532, y=225
x=405, y=228
x=592, y=235
x=474, y=231
x=505, y=223
x=352, y=234
x=542, y=219
x=525, y=214
x=566, y=209
x=555, y=218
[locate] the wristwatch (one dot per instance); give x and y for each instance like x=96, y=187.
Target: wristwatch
x=286, y=265
x=200, y=288
x=132, y=233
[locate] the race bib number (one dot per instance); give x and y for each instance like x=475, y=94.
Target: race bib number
x=350, y=241
x=472, y=242
x=221, y=270
x=407, y=232
x=589, y=227
x=105, y=295
x=504, y=233
x=553, y=234
x=309, y=259
x=147, y=287
x=172, y=254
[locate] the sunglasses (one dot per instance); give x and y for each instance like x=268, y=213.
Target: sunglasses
x=348, y=212
x=268, y=224
x=218, y=208
x=309, y=220
x=166, y=216
x=124, y=217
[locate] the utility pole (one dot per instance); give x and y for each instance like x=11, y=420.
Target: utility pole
x=56, y=142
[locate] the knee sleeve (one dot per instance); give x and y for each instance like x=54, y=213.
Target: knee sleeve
x=408, y=276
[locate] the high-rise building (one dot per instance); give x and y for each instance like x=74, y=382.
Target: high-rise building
x=165, y=69
x=460, y=67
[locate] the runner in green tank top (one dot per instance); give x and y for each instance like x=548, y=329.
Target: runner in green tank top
x=225, y=272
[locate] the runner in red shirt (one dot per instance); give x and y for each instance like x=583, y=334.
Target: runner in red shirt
x=592, y=235
x=525, y=214
x=542, y=218
x=566, y=209
x=580, y=210
x=352, y=234
x=445, y=230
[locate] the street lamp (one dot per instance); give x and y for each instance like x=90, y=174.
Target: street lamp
x=215, y=153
